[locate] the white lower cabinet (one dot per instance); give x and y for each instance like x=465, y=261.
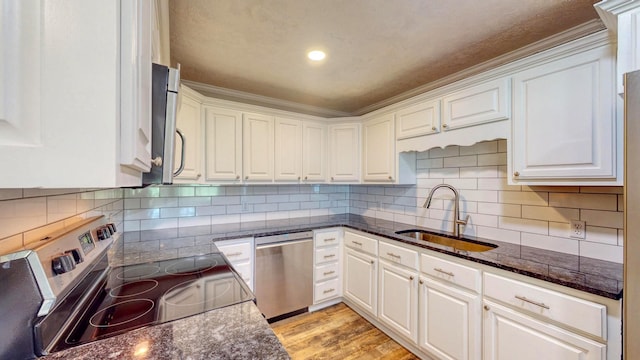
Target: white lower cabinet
x=509, y=334
x=241, y=255
x=361, y=280
x=327, y=274
x=398, y=299
x=449, y=320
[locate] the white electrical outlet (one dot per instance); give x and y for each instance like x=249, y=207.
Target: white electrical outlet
x=578, y=229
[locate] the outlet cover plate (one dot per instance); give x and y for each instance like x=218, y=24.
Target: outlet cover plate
x=578, y=229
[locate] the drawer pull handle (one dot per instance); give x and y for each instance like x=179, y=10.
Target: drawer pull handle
x=420, y=282
x=329, y=239
x=411, y=278
x=394, y=255
x=328, y=291
x=356, y=243
x=542, y=305
x=329, y=256
x=373, y=262
x=486, y=307
x=444, y=272
x=234, y=254
x=328, y=272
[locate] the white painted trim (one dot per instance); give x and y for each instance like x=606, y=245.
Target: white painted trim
x=610, y=9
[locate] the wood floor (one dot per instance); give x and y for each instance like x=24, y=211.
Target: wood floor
x=336, y=332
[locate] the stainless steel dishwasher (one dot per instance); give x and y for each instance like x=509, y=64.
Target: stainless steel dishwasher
x=284, y=274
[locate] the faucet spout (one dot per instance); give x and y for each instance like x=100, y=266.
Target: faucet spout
x=457, y=222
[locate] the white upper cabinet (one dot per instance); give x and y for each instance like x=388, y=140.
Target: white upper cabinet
x=288, y=149
x=314, y=151
x=482, y=103
x=257, y=147
x=75, y=93
x=135, y=84
x=420, y=119
x=344, y=153
x=223, y=144
x=188, y=122
x=378, y=146
x=564, y=120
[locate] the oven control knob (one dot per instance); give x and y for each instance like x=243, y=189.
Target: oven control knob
x=76, y=254
x=63, y=264
x=112, y=228
x=103, y=233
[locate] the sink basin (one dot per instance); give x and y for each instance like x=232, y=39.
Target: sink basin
x=456, y=244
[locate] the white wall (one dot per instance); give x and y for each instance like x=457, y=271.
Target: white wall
x=534, y=216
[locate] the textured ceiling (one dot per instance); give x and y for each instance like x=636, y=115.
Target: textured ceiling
x=376, y=49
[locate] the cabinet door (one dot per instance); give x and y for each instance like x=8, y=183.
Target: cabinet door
x=398, y=300
x=511, y=335
x=344, y=152
x=416, y=120
x=360, y=280
x=314, y=152
x=564, y=119
x=450, y=321
x=478, y=104
x=288, y=150
x=135, y=84
x=188, y=122
x=257, y=147
x=379, y=157
x=223, y=144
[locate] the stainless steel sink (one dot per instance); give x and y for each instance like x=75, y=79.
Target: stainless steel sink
x=456, y=244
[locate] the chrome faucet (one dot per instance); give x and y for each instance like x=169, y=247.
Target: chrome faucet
x=456, y=207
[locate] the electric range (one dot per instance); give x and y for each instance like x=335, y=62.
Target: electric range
x=82, y=299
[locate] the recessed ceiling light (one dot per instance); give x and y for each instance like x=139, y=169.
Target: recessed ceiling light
x=316, y=55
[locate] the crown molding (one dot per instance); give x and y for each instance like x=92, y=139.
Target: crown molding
x=260, y=100
x=610, y=9
x=576, y=32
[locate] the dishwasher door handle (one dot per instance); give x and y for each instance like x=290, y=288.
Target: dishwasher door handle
x=283, y=243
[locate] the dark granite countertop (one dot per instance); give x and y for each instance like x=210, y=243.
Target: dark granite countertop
x=233, y=332
x=603, y=278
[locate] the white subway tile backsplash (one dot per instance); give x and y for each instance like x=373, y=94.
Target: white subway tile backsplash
x=194, y=201
x=444, y=173
x=460, y=161
x=601, y=235
x=194, y=221
x=16, y=216
x=485, y=147
x=610, y=219
x=479, y=195
x=601, y=251
x=496, y=184
x=523, y=198
x=177, y=212
x=564, y=245
x=524, y=225
x=177, y=191
x=210, y=191
x=158, y=224
x=509, y=210
x=479, y=172
x=11, y=244
x=584, y=201
x=502, y=146
x=505, y=235
x=550, y=213
x=9, y=194
x=559, y=229
x=492, y=159
x=151, y=203
x=60, y=207
x=449, y=151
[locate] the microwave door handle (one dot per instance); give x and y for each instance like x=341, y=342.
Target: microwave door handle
x=182, y=141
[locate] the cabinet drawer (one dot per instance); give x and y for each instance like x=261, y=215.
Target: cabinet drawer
x=326, y=272
x=237, y=252
x=362, y=243
x=463, y=276
x=328, y=254
x=330, y=238
x=399, y=255
x=326, y=290
x=578, y=313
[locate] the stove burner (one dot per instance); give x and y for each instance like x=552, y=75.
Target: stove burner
x=123, y=312
x=133, y=288
x=191, y=266
x=138, y=272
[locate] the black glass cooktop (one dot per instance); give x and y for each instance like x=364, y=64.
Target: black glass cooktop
x=145, y=294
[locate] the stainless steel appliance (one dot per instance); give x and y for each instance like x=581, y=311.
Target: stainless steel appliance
x=164, y=103
x=284, y=274
x=631, y=297
x=64, y=293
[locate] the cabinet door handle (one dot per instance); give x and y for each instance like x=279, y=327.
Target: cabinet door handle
x=540, y=304
x=516, y=174
x=420, y=282
x=298, y=178
x=356, y=243
x=306, y=177
x=198, y=175
x=410, y=277
x=394, y=255
x=445, y=126
x=332, y=178
x=246, y=177
x=372, y=261
x=444, y=272
x=329, y=256
x=328, y=291
x=486, y=307
x=184, y=146
x=433, y=128
x=329, y=239
x=237, y=177
x=328, y=273
x=391, y=178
